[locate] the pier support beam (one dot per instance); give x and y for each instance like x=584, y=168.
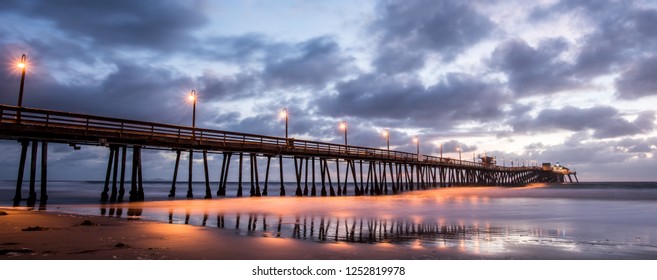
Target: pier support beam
x=239, y=179
x=264, y=191
x=21, y=171
x=298, y=168
x=136, y=187
x=31, y=199
x=190, y=192
x=172, y=192
x=104, y=196
x=115, y=173
x=208, y=191
x=44, y=172
x=122, y=184
x=280, y=161
x=223, y=178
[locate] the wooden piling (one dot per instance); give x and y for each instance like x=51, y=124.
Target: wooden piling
x=305, y=189
x=252, y=190
x=44, y=171
x=280, y=161
x=140, y=178
x=190, y=192
x=337, y=167
x=297, y=172
x=115, y=173
x=208, y=191
x=323, y=175
x=104, y=196
x=31, y=199
x=264, y=191
x=122, y=184
x=239, y=176
x=313, y=192
x=133, y=182
x=255, y=171
x=21, y=170
x=172, y=192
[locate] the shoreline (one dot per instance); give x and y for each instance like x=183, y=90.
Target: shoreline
x=50, y=235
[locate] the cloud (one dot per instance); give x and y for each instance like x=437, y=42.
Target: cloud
x=534, y=70
x=157, y=25
x=604, y=121
x=621, y=31
x=452, y=146
x=458, y=97
x=315, y=63
x=408, y=30
x=639, y=80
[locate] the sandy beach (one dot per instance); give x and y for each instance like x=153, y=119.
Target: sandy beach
x=58, y=236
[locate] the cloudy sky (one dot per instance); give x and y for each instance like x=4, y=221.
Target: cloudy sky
x=567, y=81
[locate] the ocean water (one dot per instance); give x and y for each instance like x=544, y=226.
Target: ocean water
x=540, y=221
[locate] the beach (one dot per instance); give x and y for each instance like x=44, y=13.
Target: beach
x=538, y=222
x=66, y=237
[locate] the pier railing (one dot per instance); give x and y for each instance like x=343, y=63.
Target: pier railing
x=74, y=127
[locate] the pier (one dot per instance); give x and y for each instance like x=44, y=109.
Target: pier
x=369, y=171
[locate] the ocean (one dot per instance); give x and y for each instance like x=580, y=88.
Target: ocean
x=603, y=220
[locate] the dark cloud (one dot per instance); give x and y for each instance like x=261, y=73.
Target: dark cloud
x=392, y=60
x=144, y=24
x=622, y=31
x=242, y=85
x=446, y=27
x=639, y=80
x=458, y=97
x=131, y=91
x=409, y=30
x=315, y=63
x=534, y=70
x=240, y=48
x=606, y=122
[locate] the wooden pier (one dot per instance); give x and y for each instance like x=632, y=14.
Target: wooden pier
x=370, y=171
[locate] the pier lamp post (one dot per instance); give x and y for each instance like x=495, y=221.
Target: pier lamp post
x=386, y=134
x=284, y=114
x=22, y=64
x=416, y=140
x=343, y=126
x=458, y=148
x=441, y=151
x=192, y=98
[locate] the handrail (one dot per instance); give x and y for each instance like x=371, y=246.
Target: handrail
x=90, y=123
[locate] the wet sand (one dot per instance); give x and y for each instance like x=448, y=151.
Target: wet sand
x=60, y=236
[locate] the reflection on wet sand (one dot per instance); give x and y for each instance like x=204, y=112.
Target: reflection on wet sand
x=323, y=228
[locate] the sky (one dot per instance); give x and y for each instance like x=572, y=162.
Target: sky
x=573, y=82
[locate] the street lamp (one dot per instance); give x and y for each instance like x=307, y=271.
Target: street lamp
x=22, y=64
x=284, y=114
x=441, y=151
x=343, y=126
x=386, y=134
x=192, y=98
x=416, y=140
x=458, y=148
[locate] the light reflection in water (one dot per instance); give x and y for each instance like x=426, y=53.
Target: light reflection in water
x=413, y=232
x=481, y=221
